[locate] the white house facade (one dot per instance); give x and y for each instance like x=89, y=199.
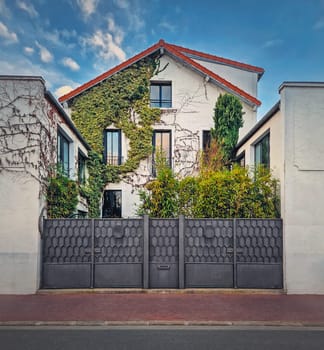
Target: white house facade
x=185, y=89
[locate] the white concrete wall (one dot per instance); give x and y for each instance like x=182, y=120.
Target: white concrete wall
x=302, y=106
x=245, y=80
x=28, y=130
x=20, y=102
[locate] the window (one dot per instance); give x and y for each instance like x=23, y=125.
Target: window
x=160, y=94
x=206, y=137
x=63, y=153
x=112, y=204
x=240, y=159
x=82, y=214
x=161, y=145
x=262, y=151
x=81, y=167
x=112, y=143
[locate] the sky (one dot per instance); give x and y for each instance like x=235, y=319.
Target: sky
x=69, y=42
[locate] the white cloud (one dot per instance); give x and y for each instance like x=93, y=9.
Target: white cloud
x=88, y=7
x=44, y=54
x=21, y=65
x=168, y=26
x=10, y=37
x=272, y=43
x=63, y=90
x=29, y=8
x=319, y=24
x=70, y=63
x=28, y=50
x=123, y=4
x=115, y=30
x=4, y=10
x=108, y=47
x=133, y=11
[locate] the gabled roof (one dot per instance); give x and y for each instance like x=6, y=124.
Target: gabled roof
x=181, y=54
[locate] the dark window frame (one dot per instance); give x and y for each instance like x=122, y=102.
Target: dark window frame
x=82, y=161
x=206, y=139
x=169, y=158
x=262, y=142
x=239, y=158
x=111, y=212
x=61, y=161
x=113, y=161
x=161, y=102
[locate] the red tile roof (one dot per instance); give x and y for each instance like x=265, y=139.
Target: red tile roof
x=218, y=59
x=179, y=53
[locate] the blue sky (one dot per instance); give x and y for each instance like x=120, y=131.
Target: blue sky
x=69, y=42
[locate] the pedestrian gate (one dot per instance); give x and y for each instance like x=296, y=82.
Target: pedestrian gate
x=162, y=253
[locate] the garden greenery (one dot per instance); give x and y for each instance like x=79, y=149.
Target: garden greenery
x=61, y=196
x=214, y=194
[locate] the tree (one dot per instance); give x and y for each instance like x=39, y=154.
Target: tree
x=228, y=118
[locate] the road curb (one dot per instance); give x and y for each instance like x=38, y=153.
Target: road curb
x=162, y=323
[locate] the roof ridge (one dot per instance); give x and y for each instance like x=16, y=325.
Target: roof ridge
x=177, y=51
x=219, y=59
x=211, y=74
x=111, y=71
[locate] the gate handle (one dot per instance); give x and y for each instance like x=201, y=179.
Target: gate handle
x=163, y=267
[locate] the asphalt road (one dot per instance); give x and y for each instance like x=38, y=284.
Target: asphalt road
x=164, y=338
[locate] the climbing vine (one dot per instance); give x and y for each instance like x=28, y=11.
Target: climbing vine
x=122, y=101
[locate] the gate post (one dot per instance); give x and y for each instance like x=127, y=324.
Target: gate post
x=181, y=251
x=146, y=226
x=234, y=256
x=92, y=281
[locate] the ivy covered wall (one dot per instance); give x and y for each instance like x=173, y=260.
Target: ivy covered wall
x=121, y=101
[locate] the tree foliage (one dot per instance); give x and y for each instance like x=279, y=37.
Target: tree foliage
x=61, y=196
x=160, y=199
x=228, y=118
x=214, y=194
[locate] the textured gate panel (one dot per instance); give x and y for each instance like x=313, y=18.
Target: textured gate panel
x=259, y=253
x=164, y=253
x=208, y=253
x=67, y=253
x=118, y=253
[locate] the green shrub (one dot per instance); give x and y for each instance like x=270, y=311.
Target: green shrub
x=61, y=196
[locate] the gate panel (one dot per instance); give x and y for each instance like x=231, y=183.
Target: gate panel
x=164, y=253
x=118, y=253
x=67, y=248
x=259, y=253
x=208, y=253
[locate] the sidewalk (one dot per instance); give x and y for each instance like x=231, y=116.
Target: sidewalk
x=161, y=308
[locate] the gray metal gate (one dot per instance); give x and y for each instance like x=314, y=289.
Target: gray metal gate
x=162, y=253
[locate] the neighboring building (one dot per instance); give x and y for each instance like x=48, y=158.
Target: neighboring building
x=289, y=139
x=186, y=90
x=32, y=124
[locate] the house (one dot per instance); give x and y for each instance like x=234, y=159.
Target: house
x=289, y=140
x=35, y=135
x=184, y=85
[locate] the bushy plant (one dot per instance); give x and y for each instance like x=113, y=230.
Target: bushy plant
x=160, y=198
x=61, y=196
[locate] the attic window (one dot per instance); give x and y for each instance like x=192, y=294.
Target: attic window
x=160, y=94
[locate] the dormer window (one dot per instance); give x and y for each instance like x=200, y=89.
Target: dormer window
x=160, y=94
